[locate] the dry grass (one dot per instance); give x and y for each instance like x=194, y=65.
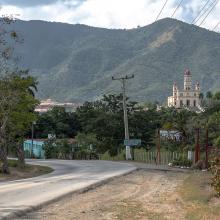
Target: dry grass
x=141, y=195
x=199, y=199
x=28, y=171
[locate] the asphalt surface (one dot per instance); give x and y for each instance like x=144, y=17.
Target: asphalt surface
x=20, y=196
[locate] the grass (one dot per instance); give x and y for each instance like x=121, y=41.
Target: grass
x=28, y=171
x=129, y=210
x=199, y=198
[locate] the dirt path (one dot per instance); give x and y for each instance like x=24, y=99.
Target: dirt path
x=141, y=195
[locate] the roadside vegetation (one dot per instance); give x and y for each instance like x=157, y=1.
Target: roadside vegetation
x=199, y=199
x=17, y=100
x=26, y=171
x=98, y=130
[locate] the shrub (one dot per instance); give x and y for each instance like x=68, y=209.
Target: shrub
x=215, y=169
x=12, y=163
x=50, y=149
x=182, y=162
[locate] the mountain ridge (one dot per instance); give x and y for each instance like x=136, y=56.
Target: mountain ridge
x=76, y=62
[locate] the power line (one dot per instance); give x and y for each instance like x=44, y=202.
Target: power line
x=216, y=26
x=180, y=3
x=212, y=8
x=161, y=10
x=200, y=15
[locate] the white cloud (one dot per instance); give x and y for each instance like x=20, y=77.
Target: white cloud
x=113, y=13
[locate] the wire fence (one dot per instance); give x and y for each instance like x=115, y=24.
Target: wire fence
x=152, y=157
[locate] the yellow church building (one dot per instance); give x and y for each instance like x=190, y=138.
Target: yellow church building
x=188, y=97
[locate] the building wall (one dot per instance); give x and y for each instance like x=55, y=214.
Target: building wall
x=37, y=150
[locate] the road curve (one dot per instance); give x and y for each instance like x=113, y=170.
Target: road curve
x=20, y=196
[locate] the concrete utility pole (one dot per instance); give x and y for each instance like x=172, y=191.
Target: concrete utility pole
x=123, y=81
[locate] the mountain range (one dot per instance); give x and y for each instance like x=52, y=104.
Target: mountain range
x=77, y=62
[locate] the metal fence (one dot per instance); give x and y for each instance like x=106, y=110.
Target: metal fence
x=152, y=157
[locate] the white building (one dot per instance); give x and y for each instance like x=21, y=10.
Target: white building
x=48, y=104
x=188, y=97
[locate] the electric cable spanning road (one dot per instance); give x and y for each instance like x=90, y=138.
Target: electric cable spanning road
x=20, y=196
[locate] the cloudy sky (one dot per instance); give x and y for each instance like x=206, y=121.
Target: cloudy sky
x=111, y=13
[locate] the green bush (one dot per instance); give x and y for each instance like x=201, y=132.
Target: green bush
x=50, y=149
x=183, y=162
x=12, y=163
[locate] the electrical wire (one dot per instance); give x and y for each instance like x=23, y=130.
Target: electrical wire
x=200, y=15
x=180, y=3
x=216, y=26
x=212, y=8
x=161, y=10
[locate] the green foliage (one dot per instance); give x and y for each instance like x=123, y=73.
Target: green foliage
x=50, y=149
x=217, y=96
x=87, y=142
x=104, y=119
x=217, y=142
x=17, y=104
x=63, y=147
x=182, y=162
x=57, y=121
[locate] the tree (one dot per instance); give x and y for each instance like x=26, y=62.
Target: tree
x=16, y=113
x=64, y=148
x=23, y=116
x=143, y=125
x=217, y=96
x=209, y=95
x=57, y=121
x=104, y=118
x=50, y=148
x=87, y=142
x=8, y=100
x=8, y=38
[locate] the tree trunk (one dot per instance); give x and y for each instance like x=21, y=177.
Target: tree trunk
x=20, y=153
x=3, y=158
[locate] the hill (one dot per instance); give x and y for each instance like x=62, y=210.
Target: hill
x=76, y=62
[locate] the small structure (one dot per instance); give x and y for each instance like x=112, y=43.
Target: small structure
x=35, y=150
x=188, y=97
x=171, y=135
x=49, y=104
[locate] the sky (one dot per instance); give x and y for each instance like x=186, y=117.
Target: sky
x=110, y=13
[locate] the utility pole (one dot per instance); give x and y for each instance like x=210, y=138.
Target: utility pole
x=123, y=81
x=197, y=152
x=32, y=138
x=206, y=148
x=158, y=159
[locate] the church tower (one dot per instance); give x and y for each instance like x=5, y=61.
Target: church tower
x=188, y=97
x=187, y=80
x=197, y=87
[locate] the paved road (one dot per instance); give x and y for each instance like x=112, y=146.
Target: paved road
x=68, y=176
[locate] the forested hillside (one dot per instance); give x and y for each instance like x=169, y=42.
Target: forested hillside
x=76, y=62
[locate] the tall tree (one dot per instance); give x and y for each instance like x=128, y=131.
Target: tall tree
x=23, y=115
x=17, y=106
